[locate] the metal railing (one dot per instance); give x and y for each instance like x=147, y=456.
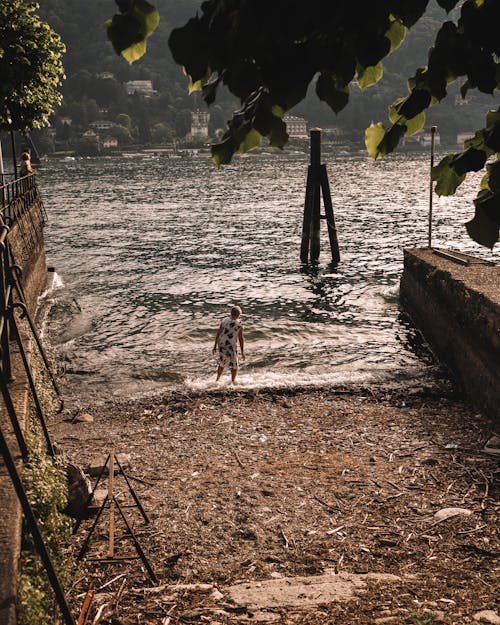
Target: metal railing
x=17, y=197
x=19, y=200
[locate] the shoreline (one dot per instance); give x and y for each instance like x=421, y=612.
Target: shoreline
x=289, y=484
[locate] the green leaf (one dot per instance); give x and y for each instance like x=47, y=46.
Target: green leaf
x=482, y=229
x=414, y=124
x=222, y=152
x=373, y=136
x=396, y=34
x=415, y=103
x=368, y=76
x=469, y=160
x=278, y=136
x=494, y=177
x=489, y=203
x=492, y=138
x=128, y=31
x=391, y=139
x=410, y=12
x=447, y=179
x=447, y=5
x=380, y=142
x=328, y=90
x=252, y=140
x=278, y=111
x=135, y=51
x=189, y=48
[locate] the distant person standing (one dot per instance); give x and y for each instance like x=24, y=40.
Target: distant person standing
x=229, y=334
x=25, y=167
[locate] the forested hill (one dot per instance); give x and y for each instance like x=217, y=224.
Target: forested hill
x=94, y=90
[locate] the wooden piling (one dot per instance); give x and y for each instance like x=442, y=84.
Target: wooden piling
x=306, y=224
x=330, y=219
x=316, y=198
x=317, y=184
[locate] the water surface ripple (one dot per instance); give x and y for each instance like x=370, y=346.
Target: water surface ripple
x=152, y=251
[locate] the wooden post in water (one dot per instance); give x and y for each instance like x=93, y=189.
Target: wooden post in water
x=317, y=183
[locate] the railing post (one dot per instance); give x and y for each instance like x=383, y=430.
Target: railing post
x=4, y=303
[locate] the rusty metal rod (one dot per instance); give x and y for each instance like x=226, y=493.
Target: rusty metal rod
x=35, y=532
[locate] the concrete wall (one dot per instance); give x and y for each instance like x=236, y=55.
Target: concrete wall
x=457, y=309
x=28, y=248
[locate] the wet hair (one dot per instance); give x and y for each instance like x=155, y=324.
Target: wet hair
x=235, y=311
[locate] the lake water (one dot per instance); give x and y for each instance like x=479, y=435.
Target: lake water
x=150, y=253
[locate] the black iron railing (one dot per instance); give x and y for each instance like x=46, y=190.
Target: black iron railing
x=17, y=197
x=19, y=203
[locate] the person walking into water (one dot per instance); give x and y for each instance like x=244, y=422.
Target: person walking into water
x=229, y=334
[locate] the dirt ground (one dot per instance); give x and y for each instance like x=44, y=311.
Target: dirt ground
x=245, y=486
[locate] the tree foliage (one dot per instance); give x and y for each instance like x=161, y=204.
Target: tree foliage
x=30, y=67
x=268, y=53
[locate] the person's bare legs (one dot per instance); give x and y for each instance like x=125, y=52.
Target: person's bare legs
x=233, y=375
x=220, y=369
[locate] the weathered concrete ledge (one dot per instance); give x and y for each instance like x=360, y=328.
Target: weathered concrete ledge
x=456, y=305
x=29, y=254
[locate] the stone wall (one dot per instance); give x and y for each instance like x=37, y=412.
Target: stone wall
x=457, y=309
x=26, y=240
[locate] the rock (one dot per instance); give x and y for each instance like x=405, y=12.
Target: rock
x=216, y=595
x=79, y=489
x=85, y=417
x=302, y=592
x=487, y=616
x=447, y=513
x=492, y=445
x=100, y=495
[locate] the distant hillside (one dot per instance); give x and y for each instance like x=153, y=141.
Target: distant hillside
x=95, y=92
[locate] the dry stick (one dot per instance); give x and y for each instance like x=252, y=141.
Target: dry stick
x=323, y=503
x=111, y=581
x=284, y=538
x=87, y=603
x=118, y=596
x=486, y=490
x=238, y=460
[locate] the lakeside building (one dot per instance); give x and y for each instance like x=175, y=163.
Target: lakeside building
x=464, y=136
x=109, y=142
x=141, y=87
x=106, y=76
x=422, y=138
x=102, y=124
x=334, y=135
x=199, y=124
x=296, y=127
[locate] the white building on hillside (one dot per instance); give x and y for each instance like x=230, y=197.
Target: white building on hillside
x=141, y=87
x=199, y=124
x=102, y=124
x=296, y=127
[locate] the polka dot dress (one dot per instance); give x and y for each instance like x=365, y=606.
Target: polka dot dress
x=228, y=345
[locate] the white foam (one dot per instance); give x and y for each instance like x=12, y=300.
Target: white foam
x=272, y=379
